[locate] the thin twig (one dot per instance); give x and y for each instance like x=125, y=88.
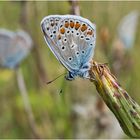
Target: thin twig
x=75, y=9
x=26, y=102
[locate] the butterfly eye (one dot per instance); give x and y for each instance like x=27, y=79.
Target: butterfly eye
x=70, y=59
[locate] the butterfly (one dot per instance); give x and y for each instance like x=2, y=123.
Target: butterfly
x=14, y=47
x=127, y=29
x=72, y=40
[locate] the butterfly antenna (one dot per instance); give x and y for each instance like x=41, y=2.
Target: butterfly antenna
x=49, y=82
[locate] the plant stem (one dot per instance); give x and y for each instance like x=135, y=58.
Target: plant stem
x=126, y=110
x=26, y=102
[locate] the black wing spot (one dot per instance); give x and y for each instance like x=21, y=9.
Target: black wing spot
x=77, y=34
x=83, y=51
x=87, y=38
x=61, y=26
x=70, y=59
x=65, y=40
x=51, y=35
x=54, y=32
x=82, y=37
x=72, y=46
x=77, y=53
x=63, y=48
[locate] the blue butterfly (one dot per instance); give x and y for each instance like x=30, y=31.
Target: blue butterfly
x=127, y=29
x=14, y=47
x=72, y=41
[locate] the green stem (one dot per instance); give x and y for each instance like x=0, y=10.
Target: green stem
x=126, y=110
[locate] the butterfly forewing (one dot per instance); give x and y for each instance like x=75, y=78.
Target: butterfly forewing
x=73, y=41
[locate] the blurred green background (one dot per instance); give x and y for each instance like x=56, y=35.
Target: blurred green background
x=77, y=111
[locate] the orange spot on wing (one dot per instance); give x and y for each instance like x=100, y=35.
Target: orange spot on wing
x=77, y=25
x=90, y=32
x=62, y=30
x=66, y=24
x=83, y=28
x=71, y=24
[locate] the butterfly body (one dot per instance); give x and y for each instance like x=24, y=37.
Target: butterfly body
x=72, y=40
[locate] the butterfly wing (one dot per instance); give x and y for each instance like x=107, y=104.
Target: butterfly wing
x=71, y=39
x=127, y=29
x=14, y=47
x=5, y=43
